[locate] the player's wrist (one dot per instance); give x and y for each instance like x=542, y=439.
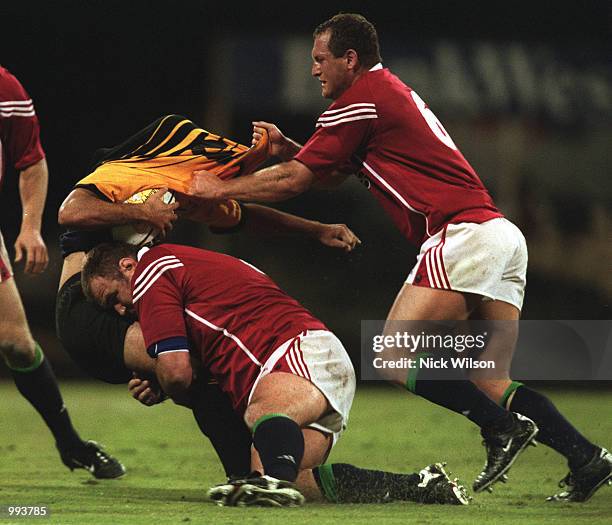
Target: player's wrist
x=31, y=220
x=30, y=227
x=223, y=191
x=141, y=213
x=317, y=229
x=289, y=149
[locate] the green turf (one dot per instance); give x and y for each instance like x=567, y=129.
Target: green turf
x=170, y=464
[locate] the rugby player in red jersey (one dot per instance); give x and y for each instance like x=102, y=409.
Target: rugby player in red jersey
x=284, y=371
x=110, y=346
x=472, y=261
x=20, y=148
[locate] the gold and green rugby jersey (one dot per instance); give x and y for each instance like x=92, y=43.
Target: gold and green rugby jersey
x=165, y=154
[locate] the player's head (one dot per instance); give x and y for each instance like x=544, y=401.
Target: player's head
x=344, y=46
x=107, y=273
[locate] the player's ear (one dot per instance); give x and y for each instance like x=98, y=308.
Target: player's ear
x=127, y=264
x=352, y=59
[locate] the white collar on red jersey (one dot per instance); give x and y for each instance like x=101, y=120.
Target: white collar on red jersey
x=141, y=252
x=377, y=67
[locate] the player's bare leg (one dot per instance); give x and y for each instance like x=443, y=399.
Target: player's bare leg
x=416, y=303
x=16, y=343
x=430, y=304
x=501, y=344
x=36, y=381
x=452, y=390
x=294, y=396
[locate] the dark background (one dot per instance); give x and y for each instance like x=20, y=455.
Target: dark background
x=99, y=71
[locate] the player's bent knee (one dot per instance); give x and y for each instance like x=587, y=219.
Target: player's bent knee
x=18, y=353
x=17, y=336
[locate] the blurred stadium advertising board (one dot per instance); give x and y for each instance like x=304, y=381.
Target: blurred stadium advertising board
x=564, y=85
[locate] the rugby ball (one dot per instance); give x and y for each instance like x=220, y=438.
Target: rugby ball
x=140, y=233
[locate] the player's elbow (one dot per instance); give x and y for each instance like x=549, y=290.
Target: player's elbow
x=175, y=382
x=71, y=212
x=71, y=216
x=79, y=209
x=65, y=216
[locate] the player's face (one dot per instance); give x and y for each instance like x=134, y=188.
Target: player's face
x=112, y=293
x=332, y=72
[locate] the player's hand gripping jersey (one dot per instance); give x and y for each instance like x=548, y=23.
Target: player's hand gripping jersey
x=165, y=154
x=382, y=129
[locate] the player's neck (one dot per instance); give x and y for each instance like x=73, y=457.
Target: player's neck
x=357, y=74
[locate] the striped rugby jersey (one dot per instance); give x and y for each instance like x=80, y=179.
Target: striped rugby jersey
x=232, y=314
x=19, y=129
x=380, y=129
x=166, y=153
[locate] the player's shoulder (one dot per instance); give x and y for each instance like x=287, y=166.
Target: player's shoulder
x=359, y=93
x=10, y=87
x=153, y=263
x=383, y=85
x=158, y=268
x=160, y=254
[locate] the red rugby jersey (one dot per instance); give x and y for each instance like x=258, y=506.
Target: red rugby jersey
x=381, y=128
x=19, y=130
x=233, y=315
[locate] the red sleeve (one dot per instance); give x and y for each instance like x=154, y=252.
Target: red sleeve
x=334, y=142
x=20, y=128
x=158, y=297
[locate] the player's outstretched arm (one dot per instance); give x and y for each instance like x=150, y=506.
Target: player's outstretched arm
x=33, y=182
x=83, y=209
x=269, y=221
x=273, y=184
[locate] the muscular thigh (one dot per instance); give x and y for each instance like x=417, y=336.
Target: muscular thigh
x=287, y=394
x=420, y=306
x=418, y=303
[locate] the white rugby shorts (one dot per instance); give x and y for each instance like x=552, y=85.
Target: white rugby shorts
x=488, y=259
x=320, y=357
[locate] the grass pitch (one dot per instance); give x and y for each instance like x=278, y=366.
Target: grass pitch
x=170, y=464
